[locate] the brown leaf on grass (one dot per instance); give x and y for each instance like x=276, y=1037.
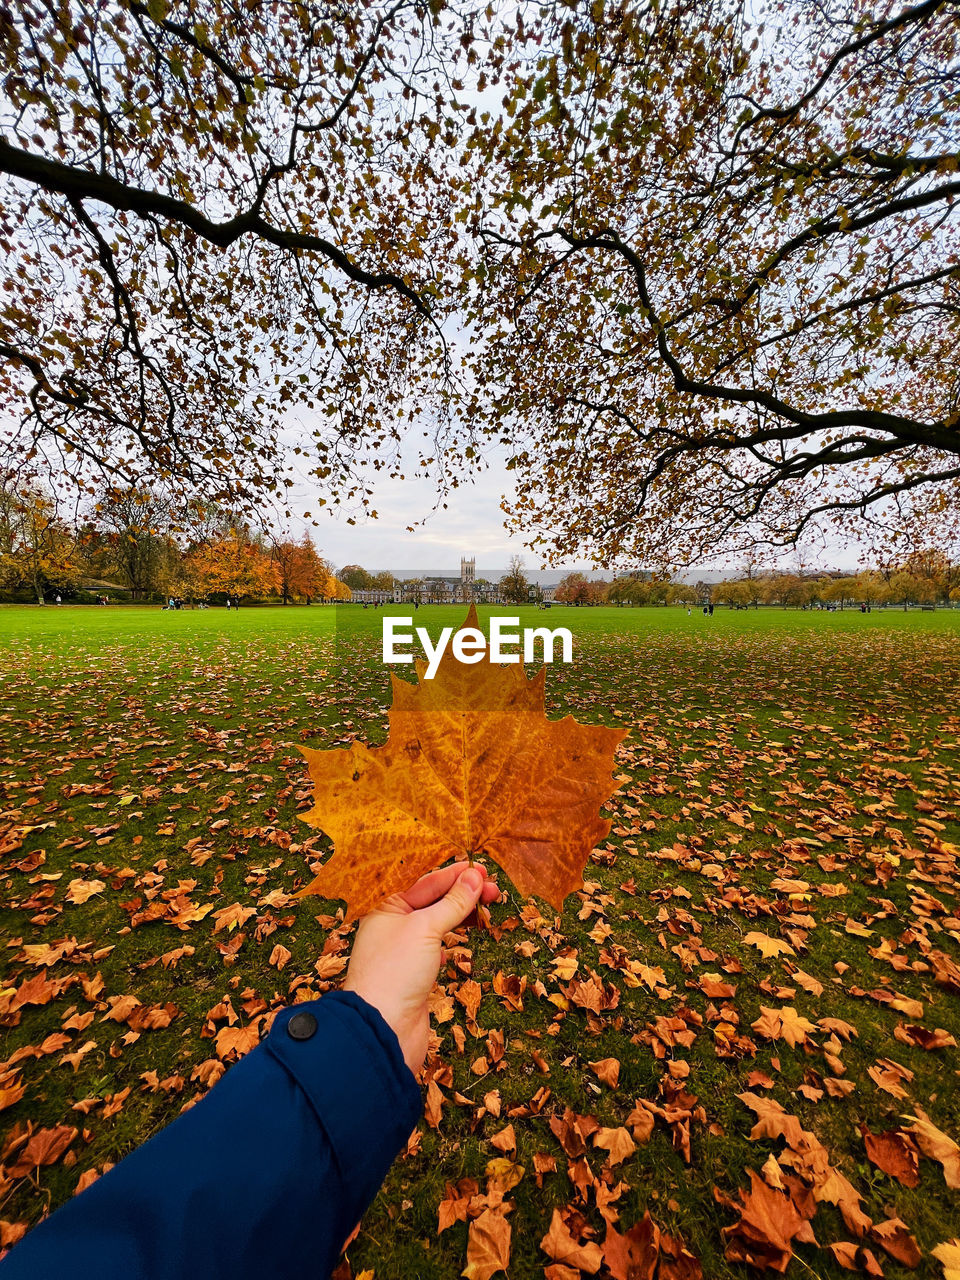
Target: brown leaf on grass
x=640, y=1122
x=472, y=767
x=488, y=1245
x=152, y=1017
x=893, y=1236
x=433, y=1108
x=676, y=1260
x=232, y=917
x=617, y=1142
x=634, y=1254
x=121, y=1008
x=453, y=1206
x=936, y=1145
x=280, y=956
x=572, y=1130
x=768, y=946
x=607, y=1070
x=38, y=990
x=836, y=1026
x=946, y=972
x=11, y=1090
x=510, y=987
x=86, y=1179
x=890, y=1076
x=11, y=1232
x=606, y=1198
x=170, y=959
x=772, y=1120
x=948, y=1254
x=895, y=1153
x=593, y=994
x=768, y=1223
x=80, y=891
x=74, y=1059
x=714, y=988
x=468, y=994
x=808, y=982
x=582, y=1177
x=238, y=1040
x=854, y=1257
x=922, y=1038
x=44, y=1147
x=783, y=1024
x=505, y=1140
x=560, y=1245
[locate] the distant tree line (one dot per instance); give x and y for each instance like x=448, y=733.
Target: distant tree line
x=922, y=578
x=136, y=540
x=133, y=540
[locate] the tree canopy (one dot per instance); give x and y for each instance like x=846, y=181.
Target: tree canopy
x=720, y=286
x=705, y=255
x=212, y=215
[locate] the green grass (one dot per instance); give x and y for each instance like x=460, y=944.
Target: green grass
x=764, y=746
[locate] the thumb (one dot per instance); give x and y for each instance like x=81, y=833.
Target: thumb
x=457, y=903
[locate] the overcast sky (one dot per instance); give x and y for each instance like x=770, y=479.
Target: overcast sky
x=472, y=525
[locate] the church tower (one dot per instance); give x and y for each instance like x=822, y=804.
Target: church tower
x=468, y=570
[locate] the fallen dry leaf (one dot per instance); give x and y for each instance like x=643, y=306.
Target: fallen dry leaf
x=893, y=1236
x=768, y=946
x=634, y=1254
x=768, y=1223
x=560, y=1245
x=948, y=1254
x=936, y=1145
x=617, y=1142
x=895, y=1153
x=488, y=1245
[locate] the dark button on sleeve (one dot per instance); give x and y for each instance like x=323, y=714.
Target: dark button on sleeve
x=353, y=1073
x=301, y=1026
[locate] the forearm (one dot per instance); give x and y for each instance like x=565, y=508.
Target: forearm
x=266, y=1176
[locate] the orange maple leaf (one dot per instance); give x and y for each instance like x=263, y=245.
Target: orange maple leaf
x=472, y=767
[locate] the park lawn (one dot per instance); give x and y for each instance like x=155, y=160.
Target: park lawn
x=792, y=775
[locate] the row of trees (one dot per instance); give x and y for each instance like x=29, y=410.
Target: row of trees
x=130, y=539
x=922, y=578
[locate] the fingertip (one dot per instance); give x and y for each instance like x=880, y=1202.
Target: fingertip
x=472, y=879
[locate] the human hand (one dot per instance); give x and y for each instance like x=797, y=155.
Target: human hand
x=397, y=952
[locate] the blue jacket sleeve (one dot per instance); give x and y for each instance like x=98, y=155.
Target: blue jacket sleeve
x=266, y=1176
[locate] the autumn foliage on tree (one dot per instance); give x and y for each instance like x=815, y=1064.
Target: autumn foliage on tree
x=129, y=533
x=208, y=215
x=37, y=549
x=302, y=573
x=719, y=293
x=576, y=588
x=514, y=586
x=233, y=564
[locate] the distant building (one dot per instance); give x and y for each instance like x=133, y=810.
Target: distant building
x=434, y=588
x=373, y=595
x=441, y=588
x=465, y=588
